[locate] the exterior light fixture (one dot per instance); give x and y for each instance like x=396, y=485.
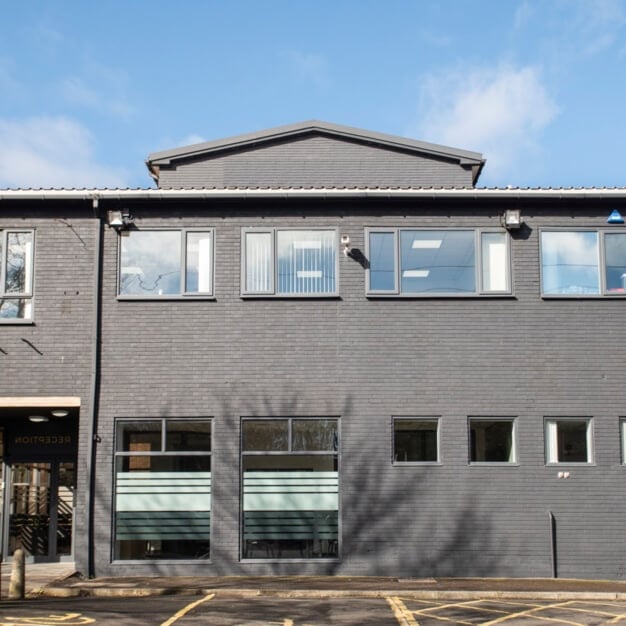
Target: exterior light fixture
x=38, y=419
x=119, y=219
x=345, y=242
x=511, y=219
x=615, y=218
x=60, y=412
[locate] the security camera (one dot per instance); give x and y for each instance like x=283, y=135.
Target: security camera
x=345, y=240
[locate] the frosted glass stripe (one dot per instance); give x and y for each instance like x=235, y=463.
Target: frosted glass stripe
x=290, y=502
x=162, y=502
x=291, y=475
x=161, y=475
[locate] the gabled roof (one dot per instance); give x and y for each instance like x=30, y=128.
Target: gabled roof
x=293, y=131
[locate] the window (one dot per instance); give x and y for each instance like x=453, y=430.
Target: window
x=491, y=440
x=583, y=263
x=289, y=262
x=568, y=440
x=161, y=263
x=16, y=275
x=162, y=489
x=437, y=262
x=290, y=488
x=415, y=440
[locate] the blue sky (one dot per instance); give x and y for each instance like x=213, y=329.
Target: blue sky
x=89, y=89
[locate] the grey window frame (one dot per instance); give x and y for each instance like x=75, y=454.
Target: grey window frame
x=289, y=452
x=601, y=233
x=590, y=440
x=273, y=293
x=478, y=274
x=415, y=418
x=182, y=295
x=622, y=439
x=514, y=444
x=161, y=452
x=26, y=295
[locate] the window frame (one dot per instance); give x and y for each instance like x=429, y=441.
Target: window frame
x=162, y=452
x=512, y=420
x=27, y=295
x=551, y=446
x=182, y=294
x=600, y=238
x=273, y=293
x=622, y=439
x=416, y=418
x=479, y=292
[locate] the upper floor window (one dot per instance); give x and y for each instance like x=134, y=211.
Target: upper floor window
x=289, y=262
x=492, y=440
x=583, y=263
x=415, y=440
x=16, y=274
x=568, y=440
x=437, y=262
x=161, y=263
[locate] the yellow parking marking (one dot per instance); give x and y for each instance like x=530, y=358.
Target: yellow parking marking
x=66, y=619
x=617, y=619
x=186, y=609
x=401, y=613
x=558, y=605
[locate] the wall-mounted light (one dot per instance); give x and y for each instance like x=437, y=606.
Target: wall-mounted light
x=120, y=219
x=615, y=218
x=511, y=219
x=38, y=419
x=60, y=412
x=345, y=242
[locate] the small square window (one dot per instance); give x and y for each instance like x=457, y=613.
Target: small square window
x=569, y=440
x=415, y=440
x=492, y=440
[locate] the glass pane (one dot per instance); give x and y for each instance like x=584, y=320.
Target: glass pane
x=265, y=435
x=572, y=441
x=199, y=275
x=382, y=262
x=415, y=441
x=150, y=263
x=314, y=435
x=16, y=308
x=305, y=261
x=615, y=253
x=491, y=441
x=438, y=261
x=259, y=263
x=19, y=268
x=139, y=436
x=190, y=436
x=65, y=508
x=569, y=263
x=495, y=262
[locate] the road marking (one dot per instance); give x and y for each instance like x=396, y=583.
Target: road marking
x=186, y=609
x=67, y=619
x=401, y=613
x=558, y=605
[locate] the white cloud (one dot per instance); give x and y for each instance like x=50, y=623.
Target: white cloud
x=522, y=16
x=109, y=99
x=500, y=112
x=312, y=68
x=51, y=152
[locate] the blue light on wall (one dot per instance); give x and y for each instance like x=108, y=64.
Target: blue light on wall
x=615, y=218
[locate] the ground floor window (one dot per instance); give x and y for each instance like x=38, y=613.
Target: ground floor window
x=290, y=480
x=162, y=489
x=569, y=440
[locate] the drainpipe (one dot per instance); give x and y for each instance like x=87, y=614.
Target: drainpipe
x=94, y=392
x=553, y=552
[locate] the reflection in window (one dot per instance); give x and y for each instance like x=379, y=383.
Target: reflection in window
x=290, y=488
x=615, y=257
x=163, y=489
x=568, y=440
x=289, y=262
x=16, y=274
x=491, y=441
x=415, y=440
x=152, y=263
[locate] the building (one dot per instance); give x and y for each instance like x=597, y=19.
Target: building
x=315, y=350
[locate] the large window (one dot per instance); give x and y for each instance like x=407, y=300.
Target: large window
x=161, y=263
x=415, y=440
x=583, y=263
x=162, y=489
x=290, y=488
x=569, y=440
x=437, y=262
x=16, y=275
x=491, y=440
x=289, y=262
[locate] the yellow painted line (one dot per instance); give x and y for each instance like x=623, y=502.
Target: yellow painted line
x=533, y=612
x=617, y=619
x=67, y=619
x=401, y=613
x=288, y=622
x=186, y=609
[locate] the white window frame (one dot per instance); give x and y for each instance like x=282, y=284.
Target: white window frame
x=182, y=293
x=27, y=294
x=551, y=440
x=622, y=429
x=273, y=292
x=478, y=262
x=600, y=238
x=416, y=418
x=488, y=418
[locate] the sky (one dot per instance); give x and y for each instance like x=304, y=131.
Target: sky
x=88, y=89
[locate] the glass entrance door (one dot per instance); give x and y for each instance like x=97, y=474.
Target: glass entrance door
x=41, y=506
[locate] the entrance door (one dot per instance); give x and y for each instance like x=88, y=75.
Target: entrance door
x=41, y=510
